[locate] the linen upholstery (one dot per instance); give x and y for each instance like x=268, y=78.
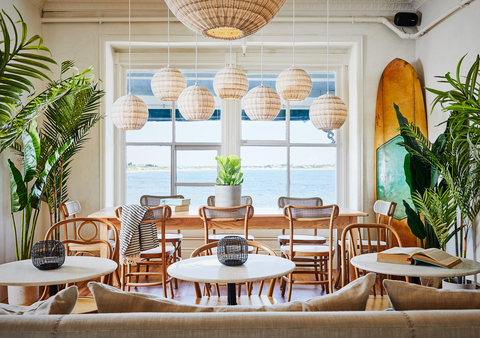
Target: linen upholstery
x=111, y=300
x=61, y=303
x=405, y=296
x=371, y=324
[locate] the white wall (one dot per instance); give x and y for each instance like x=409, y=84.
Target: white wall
x=31, y=15
x=439, y=52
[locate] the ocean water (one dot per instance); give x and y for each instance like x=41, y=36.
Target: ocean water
x=265, y=186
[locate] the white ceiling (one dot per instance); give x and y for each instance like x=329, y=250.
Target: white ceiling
x=119, y=8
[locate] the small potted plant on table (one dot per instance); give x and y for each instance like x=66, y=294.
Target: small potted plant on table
x=228, y=190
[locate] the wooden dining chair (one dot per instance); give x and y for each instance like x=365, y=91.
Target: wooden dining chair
x=161, y=256
x=245, y=200
x=309, y=258
x=220, y=212
x=256, y=248
x=174, y=238
x=369, y=238
x=85, y=241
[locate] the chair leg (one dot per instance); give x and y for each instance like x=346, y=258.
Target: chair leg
x=290, y=286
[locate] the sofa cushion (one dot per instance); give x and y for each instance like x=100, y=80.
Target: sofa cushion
x=405, y=296
x=353, y=297
x=60, y=304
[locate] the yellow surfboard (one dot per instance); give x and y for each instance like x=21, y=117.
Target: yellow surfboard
x=399, y=84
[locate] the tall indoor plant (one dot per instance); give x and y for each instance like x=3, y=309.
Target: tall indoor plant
x=228, y=190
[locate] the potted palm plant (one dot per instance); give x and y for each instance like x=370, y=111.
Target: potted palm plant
x=228, y=190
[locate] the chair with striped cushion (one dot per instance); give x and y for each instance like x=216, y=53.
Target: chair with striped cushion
x=161, y=256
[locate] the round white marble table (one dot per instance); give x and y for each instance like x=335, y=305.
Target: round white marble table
x=75, y=269
x=207, y=269
x=369, y=262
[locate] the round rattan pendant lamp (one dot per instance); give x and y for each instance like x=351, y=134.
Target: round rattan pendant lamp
x=230, y=83
x=262, y=103
x=294, y=84
x=225, y=19
x=196, y=103
x=328, y=111
x=129, y=112
x=168, y=83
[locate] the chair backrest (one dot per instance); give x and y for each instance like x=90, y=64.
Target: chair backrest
x=206, y=249
x=70, y=209
x=384, y=211
x=244, y=200
x=362, y=238
x=307, y=201
x=217, y=215
x=153, y=201
x=92, y=226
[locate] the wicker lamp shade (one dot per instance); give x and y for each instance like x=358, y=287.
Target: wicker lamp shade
x=230, y=84
x=168, y=83
x=225, y=19
x=196, y=103
x=129, y=113
x=328, y=112
x=262, y=103
x=294, y=84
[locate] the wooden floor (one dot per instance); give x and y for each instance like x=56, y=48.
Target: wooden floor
x=186, y=293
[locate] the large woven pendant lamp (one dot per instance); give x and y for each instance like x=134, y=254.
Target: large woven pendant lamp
x=230, y=83
x=196, y=103
x=168, y=83
x=294, y=84
x=262, y=103
x=129, y=112
x=328, y=112
x=225, y=19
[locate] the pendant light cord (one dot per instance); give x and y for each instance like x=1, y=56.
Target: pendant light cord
x=261, y=57
x=328, y=52
x=293, y=33
x=129, y=50
x=230, y=53
x=168, y=37
x=196, y=53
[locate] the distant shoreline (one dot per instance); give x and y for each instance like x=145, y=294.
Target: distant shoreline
x=211, y=169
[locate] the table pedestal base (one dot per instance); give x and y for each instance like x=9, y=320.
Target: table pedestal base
x=232, y=294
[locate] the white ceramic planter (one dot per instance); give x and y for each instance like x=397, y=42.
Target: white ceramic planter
x=453, y=285
x=22, y=295
x=228, y=195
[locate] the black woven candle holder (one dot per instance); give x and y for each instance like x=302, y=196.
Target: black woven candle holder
x=232, y=250
x=48, y=255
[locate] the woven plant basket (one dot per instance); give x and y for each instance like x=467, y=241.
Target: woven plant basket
x=129, y=113
x=328, y=112
x=230, y=84
x=196, y=103
x=262, y=104
x=168, y=83
x=225, y=19
x=294, y=84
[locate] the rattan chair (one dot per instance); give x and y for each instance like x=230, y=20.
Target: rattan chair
x=213, y=237
x=283, y=239
x=83, y=242
x=175, y=239
x=161, y=256
x=256, y=247
x=309, y=258
x=367, y=236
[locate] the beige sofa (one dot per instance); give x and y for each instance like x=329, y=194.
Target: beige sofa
x=389, y=324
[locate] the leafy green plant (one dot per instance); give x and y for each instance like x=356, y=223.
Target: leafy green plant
x=23, y=200
x=230, y=170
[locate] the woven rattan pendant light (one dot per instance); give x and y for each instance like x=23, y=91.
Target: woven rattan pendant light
x=168, y=83
x=294, y=84
x=196, y=103
x=225, y=19
x=328, y=112
x=230, y=83
x=129, y=112
x=262, y=103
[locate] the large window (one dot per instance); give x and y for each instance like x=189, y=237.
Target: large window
x=284, y=157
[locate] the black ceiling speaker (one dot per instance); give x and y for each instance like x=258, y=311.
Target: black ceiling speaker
x=405, y=19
